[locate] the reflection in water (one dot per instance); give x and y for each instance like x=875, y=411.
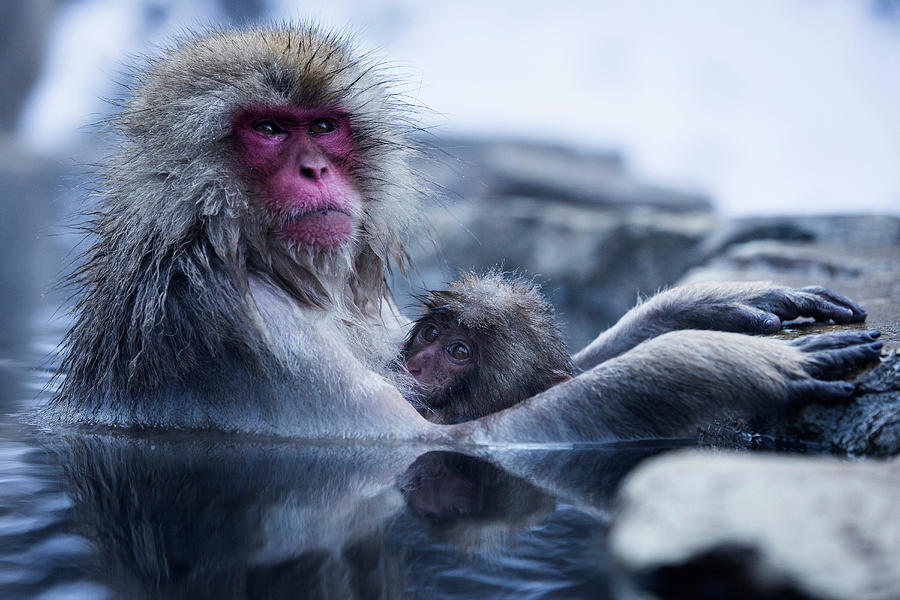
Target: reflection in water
x=469, y=501
x=231, y=518
x=224, y=517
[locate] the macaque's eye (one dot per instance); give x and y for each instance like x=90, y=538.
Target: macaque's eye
x=429, y=333
x=459, y=351
x=268, y=127
x=321, y=126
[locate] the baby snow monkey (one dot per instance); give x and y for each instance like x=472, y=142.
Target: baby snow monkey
x=484, y=344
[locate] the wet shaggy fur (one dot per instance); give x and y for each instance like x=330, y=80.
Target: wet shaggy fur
x=519, y=348
x=163, y=288
x=193, y=313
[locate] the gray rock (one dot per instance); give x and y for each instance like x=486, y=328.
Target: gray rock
x=481, y=168
x=702, y=525
x=870, y=425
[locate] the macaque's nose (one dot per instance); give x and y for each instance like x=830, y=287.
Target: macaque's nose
x=313, y=165
x=316, y=173
x=413, y=365
x=420, y=362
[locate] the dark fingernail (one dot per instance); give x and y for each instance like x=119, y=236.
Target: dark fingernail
x=769, y=324
x=876, y=345
x=874, y=333
x=848, y=387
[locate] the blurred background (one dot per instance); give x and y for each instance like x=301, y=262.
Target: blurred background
x=604, y=147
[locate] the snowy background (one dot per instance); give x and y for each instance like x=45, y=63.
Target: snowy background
x=767, y=107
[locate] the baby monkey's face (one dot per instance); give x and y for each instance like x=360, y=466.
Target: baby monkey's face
x=441, y=354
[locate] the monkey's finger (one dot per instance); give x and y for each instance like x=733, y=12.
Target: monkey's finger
x=821, y=309
x=747, y=319
x=813, y=390
x=838, y=339
x=834, y=362
x=859, y=314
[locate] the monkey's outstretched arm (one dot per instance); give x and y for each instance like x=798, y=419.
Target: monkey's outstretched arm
x=672, y=384
x=759, y=307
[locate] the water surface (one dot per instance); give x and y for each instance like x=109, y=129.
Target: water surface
x=106, y=514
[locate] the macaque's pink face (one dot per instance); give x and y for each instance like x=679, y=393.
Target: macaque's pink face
x=440, y=355
x=298, y=161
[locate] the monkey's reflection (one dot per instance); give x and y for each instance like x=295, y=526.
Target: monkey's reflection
x=460, y=497
x=177, y=516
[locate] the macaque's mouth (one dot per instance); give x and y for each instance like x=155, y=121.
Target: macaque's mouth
x=324, y=211
x=326, y=227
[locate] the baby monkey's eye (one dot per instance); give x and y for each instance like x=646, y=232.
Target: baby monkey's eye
x=429, y=333
x=268, y=127
x=321, y=126
x=459, y=351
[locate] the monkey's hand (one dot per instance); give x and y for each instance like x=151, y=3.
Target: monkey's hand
x=673, y=384
x=752, y=307
x=829, y=356
x=738, y=307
